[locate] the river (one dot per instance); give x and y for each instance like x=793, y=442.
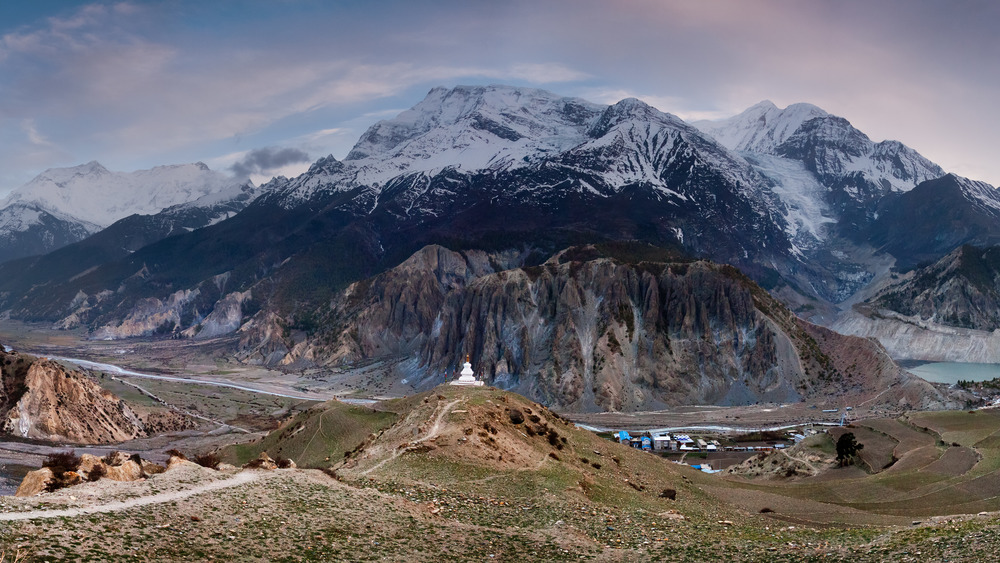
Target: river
x=118, y=370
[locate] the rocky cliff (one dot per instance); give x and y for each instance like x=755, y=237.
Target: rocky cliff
x=946, y=311
x=607, y=327
x=41, y=399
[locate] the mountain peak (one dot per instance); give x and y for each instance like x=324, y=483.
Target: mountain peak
x=629, y=109
x=92, y=194
x=761, y=127
x=472, y=128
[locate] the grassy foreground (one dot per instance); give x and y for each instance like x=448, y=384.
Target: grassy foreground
x=482, y=475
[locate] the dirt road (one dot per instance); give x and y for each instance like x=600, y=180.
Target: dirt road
x=235, y=481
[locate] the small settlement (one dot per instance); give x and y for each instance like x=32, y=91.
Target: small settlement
x=669, y=445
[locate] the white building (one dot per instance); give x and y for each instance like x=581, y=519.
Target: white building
x=467, y=377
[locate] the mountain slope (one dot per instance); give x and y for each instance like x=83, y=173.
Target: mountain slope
x=936, y=217
x=962, y=289
x=27, y=229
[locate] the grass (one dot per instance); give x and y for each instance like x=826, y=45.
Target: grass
x=317, y=437
x=425, y=505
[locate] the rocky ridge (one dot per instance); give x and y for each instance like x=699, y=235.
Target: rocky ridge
x=587, y=331
x=43, y=400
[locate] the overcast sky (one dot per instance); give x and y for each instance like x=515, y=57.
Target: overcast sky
x=265, y=87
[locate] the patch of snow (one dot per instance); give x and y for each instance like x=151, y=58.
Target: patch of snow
x=805, y=209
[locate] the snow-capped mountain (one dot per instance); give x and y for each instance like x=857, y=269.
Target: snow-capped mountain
x=791, y=196
x=832, y=180
x=63, y=205
x=92, y=193
x=473, y=128
x=466, y=129
x=502, y=129
x=471, y=149
x=857, y=172
x=761, y=128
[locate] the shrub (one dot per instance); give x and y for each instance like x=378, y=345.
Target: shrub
x=60, y=462
x=669, y=493
x=111, y=460
x=516, y=416
x=210, y=460
x=62, y=480
x=553, y=437
x=255, y=463
x=97, y=472
x=554, y=456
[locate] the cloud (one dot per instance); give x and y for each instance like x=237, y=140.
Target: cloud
x=261, y=161
x=31, y=130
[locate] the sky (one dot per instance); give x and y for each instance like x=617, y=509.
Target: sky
x=260, y=88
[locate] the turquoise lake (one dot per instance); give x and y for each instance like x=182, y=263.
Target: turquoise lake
x=953, y=372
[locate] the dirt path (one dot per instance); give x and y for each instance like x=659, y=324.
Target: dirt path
x=432, y=433
x=175, y=408
x=160, y=498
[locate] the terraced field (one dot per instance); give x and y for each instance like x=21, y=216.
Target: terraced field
x=918, y=466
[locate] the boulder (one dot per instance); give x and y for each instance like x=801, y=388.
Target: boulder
x=128, y=471
x=263, y=461
x=150, y=468
x=34, y=482
x=117, y=458
x=178, y=461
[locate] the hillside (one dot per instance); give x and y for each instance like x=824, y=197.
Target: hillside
x=479, y=473
x=40, y=399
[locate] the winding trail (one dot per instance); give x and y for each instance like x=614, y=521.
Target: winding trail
x=159, y=498
x=432, y=433
x=175, y=408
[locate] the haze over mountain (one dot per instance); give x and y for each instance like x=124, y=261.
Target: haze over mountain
x=64, y=205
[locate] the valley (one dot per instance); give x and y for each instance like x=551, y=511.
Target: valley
x=603, y=267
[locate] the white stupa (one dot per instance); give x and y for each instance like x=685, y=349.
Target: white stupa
x=467, y=377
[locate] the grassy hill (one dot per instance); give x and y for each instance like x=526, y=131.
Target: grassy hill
x=473, y=474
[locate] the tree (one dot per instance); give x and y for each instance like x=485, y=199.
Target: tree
x=847, y=448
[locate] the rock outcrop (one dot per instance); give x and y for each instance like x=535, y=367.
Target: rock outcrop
x=117, y=466
x=41, y=399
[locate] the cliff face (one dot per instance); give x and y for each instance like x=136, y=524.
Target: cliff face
x=583, y=331
x=43, y=400
x=961, y=290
